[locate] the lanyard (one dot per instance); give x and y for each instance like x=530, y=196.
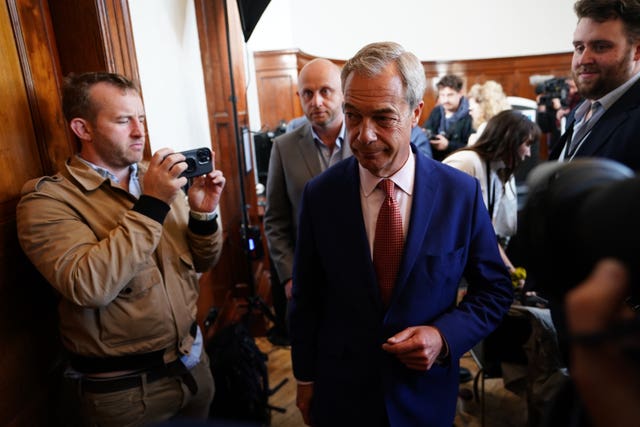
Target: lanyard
x=491, y=192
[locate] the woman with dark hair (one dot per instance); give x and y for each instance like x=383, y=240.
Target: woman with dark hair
x=493, y=159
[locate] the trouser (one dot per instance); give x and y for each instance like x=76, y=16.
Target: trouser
x=149, y=402
x=280, y=303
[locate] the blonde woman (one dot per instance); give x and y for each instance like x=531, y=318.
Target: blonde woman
x=485, y=101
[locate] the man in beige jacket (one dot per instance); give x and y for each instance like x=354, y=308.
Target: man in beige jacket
x=122, y=245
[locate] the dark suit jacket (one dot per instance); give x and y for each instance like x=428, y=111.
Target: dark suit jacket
x=458, y=133
x=615, y=136
x=338, y=322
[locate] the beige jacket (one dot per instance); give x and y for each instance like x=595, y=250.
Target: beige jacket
x=128, y=283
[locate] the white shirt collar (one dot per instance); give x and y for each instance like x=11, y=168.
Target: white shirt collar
x=403, y=178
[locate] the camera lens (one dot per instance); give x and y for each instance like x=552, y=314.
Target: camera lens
x=203, y=155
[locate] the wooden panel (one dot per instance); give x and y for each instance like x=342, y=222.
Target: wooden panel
x=33, y=141
x=17, y=137
x=277, y=83
x=234, y=266
x=512, y=73
x=40, y=68
x=281, y=104
x=276, y=94
x=94, y=36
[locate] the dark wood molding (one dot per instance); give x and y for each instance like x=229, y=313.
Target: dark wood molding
x=33, y=142
x=41, y=71
x=277, y=70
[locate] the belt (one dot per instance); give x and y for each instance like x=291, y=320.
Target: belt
x=110, y=385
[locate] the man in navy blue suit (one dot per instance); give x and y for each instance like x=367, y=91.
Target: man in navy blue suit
x=606, y=70
x=359, y=358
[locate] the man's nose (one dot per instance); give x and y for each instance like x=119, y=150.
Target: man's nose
x=586, y=57
x=317, y=99
x=137, y=127
x=367, y=132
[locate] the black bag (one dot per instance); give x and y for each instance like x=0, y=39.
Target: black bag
x=241, y=377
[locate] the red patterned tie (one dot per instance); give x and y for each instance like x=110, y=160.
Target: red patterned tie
x=388, y=242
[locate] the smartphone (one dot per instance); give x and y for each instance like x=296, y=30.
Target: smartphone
x=198, y=162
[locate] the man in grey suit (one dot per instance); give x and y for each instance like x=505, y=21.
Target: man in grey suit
x=298, y=156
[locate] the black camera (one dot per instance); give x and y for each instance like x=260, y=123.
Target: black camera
x=432, y=135
x=575, y=214
x=556, y=87
x=198, y=162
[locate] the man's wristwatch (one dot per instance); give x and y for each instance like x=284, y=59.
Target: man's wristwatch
x=203, y=216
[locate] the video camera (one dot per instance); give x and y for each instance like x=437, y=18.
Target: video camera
x=577, y=213
x=556, y=87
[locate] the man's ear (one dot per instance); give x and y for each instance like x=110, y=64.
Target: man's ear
x=81, y=128
x=417, y=112
x=636, y=53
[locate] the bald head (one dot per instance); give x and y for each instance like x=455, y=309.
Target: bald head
x=320, y=93
x=319, y=69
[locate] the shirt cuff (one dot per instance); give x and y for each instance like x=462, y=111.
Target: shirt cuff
x=444, y=356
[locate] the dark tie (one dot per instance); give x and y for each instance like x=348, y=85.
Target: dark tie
x=580, y=131
x=388, y=242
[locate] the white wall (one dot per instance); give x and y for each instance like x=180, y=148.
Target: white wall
x=168, y=52
x=432, y=29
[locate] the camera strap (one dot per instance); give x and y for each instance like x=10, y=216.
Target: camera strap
x=491, y=192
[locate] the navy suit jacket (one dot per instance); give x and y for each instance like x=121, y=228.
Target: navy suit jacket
x=615, y=136
x=338, y=322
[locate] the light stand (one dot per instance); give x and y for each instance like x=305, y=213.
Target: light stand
x=254, y=301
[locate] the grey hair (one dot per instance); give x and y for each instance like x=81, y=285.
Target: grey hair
x=374, y=57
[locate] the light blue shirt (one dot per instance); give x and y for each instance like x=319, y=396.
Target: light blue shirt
x=134, y=183
x=190, y=360
x=326, y=155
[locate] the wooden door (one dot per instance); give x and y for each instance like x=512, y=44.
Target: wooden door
x=30, y=115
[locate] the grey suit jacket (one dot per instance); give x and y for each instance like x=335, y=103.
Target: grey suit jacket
x=294, y=161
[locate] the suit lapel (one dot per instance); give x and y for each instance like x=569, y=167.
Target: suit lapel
x=347, y=196
x=308, y=151
x=425, y=190
x=612, y=119
x=601, y=132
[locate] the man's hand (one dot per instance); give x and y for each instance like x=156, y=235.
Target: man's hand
x=303, y=401
x=562, y=112
x=416, y=347
x=598, y=302
x=162, y=180
x=604, y=373
x=205, y=191
x=440, y=142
